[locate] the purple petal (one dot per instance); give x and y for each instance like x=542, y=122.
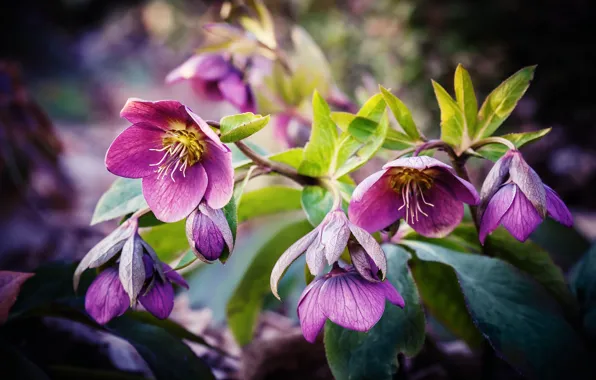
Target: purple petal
x=315, y=254
x=206, y=67
x=362, y=262
x=334, y=235
x=495, y=178
x=528, y=182
x=234, y=90
x=207, y=131
x=106, y=298
x=281, y=124
x=159, y=300
x=375, y=205
x=219, y=169
x=521, y=219
x=162, y=113
x=556, y=208
x=310, y=314
x=418, y=162
x=446, y=214
x=130, y=154
x=463, y=190
x=172, y=201
x=496, y=208
x=288, y=257
x=352, y=302
x=372, y=248
x=204, y=237
x=207, y=90
x=174, y=276
x=392, y=294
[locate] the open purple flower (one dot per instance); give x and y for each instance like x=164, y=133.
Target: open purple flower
x=209, y=233
x=179, y=157
x=514, y=196
x=423, y=191
x=345, y=298
x=325, y=244
x=215, y=78
x=107, y=299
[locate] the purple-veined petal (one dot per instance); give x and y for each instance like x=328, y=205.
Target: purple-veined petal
x=334, y=235
x=288, y=257
x=162, y=113
x=159, y=300
x=371, y=247
x=219, y=219
x=362, y=262
x=495, y=178
x=497, y=207
x=315, y=254
x=556, y=208
x=106, y=298
x=392, y=294
x=131, y=268
x=310, y=314
x=445, y=214
x=418, y=162
x=205, y=239
x=172, y=201
x=528, y=182
x=219, y=169
x=463, y=190
x=375, y=205
x=207, y=67
x=130, y=155
x=173, y=276
x=207, y=131
x=521, y=219
x=352, y=302
x=234, y=90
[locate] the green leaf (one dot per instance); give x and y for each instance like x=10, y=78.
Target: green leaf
x=238, y=127
x=494, y=151
x=402, y=114
x=168, y=240
x=167, y=356
x=397, y=141
x=246, y=303
x=519, y=318
x=292, y=157
x=231, y=213
x=125, y=196
x=373, y=355
x=342, y=119
x=502, y=100
x=362, y=128
x=453, y=126
x=373, y=108
x=466, y=98
x=583, y=285
x=311, y=70
x=267, y=201
x=316, y=202
x=321, y=146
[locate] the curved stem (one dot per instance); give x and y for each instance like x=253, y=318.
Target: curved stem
x=140, y=213
x=442, y=145
x=493, y=140
x=335, y=192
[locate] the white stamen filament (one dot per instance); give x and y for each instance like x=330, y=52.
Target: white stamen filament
x=412, y=195
x=182, y=149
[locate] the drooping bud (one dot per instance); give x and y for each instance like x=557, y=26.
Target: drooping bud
x=208, y=233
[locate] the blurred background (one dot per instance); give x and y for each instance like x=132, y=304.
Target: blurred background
x=68, y=66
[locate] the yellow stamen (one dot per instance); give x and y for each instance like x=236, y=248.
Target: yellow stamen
x=183, y=148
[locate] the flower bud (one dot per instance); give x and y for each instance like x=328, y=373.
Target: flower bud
x=208, y=233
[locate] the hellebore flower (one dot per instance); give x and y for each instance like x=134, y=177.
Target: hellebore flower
x=179, y=157
x=326, y=243
x=107, y=299
x=423, y=191
x=345, y=298
x=208, y=233
x=514, y=196
x=215, y=78
x=290, y=131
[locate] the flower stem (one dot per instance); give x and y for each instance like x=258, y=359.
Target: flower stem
x=442, y=145
x=493, y=140
x=459, y=165
x=334, y=191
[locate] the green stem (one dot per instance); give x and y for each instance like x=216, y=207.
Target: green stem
x=493, y=140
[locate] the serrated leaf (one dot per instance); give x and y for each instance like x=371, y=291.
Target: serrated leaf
x=125, y=196
x=453, y=126
x=402, y=114
x=495, y=151
x=519, y=318
x=267, y=201
x=320, y=148
x=502, y=100
x=466, y=99
x=237, y=127
x=373, y=355
x=316, y=203
x=246, y=302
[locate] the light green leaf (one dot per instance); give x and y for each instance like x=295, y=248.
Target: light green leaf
x=402, y=114
x=500, y=103
x=362, y=128
x=453, y=126
x=316, y=202
x=374, y=108
x=125, y=196
x=246, y=303
x=237, y=127
x=168, y=240
x=519, y=318
x=310, y=67
x=397, y=141
x=320, y=148
x=495, y=151
x=342, y=119
x=466, y=99
x=268, y=200
x=373, y=355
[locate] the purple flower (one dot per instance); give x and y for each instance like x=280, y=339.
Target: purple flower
x=107, y=299
x=423, y=191
x=345, y=298
x=290, y=131
x=179, y=157
x=215, y=78
x=208, y=233
x=514, y=196
x=325, y=244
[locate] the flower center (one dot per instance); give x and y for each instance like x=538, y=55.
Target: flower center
x=412, y=184
x=182, y=149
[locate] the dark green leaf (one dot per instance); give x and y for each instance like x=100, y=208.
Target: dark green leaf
x=125, y=196
x=494, y=151
x=238, y=127
x=316, y=202
x=373, y=355
x=402, y=114
x=583, y=285
x=268, y=200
